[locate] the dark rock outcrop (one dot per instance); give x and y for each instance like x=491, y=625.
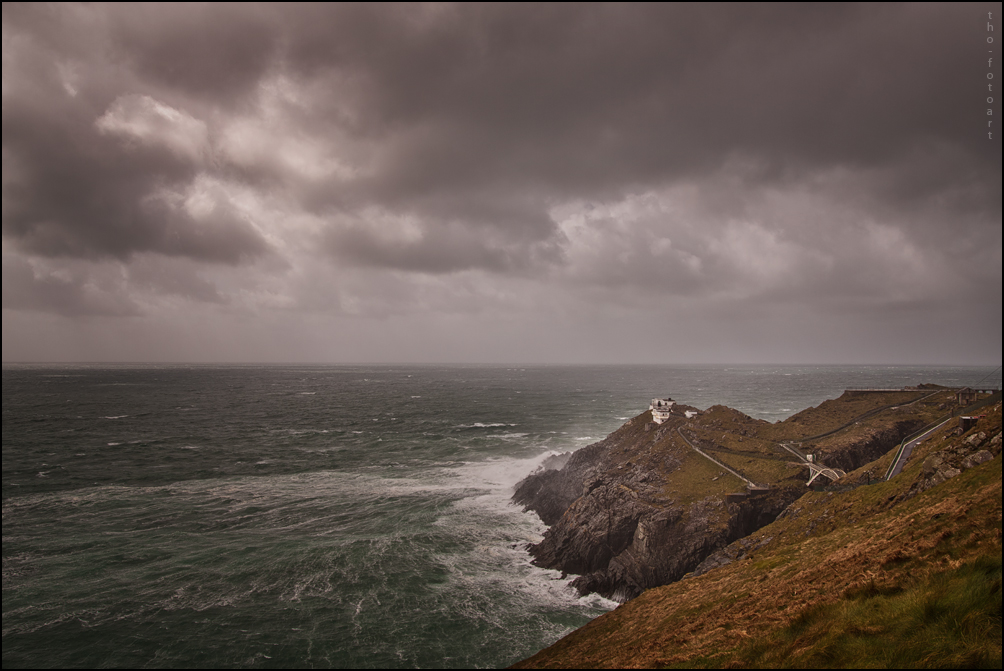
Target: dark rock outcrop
x=613, y=525
x=973, y=450
x=646, y=545
x=550, y=491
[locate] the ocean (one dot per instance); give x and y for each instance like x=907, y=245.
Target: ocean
x=321, y=516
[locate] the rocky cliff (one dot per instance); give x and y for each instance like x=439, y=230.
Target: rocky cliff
x=649, y=503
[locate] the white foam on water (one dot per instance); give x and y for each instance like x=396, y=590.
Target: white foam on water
x=483, y=425
x=496, y=531
x=500, y=472
x=594, y=600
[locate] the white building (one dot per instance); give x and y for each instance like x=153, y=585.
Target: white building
x=661, y=408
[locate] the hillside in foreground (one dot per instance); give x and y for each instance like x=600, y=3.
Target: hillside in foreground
x=905, y=572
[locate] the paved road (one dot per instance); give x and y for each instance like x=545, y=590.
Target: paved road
x=908, y=449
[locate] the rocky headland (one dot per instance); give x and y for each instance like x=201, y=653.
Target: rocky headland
x=861, y=571
x=651, y=502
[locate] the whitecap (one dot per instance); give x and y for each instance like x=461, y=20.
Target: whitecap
x=596, y=601
x=509, y=436
x=483, y=425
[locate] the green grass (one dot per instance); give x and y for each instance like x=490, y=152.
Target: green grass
x=951, y=619
x=694, y=480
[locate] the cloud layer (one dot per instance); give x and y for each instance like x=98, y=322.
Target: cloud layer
x=473, y=170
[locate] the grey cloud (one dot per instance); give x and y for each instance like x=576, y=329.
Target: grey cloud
x=76, y=288
x=442, y=248
x=527, y=104
x=71, y=190
x=160, y=277
x=74, y=187
x=453, y=232
x=70, y=295
x=598, y=102
x=216, y=50
x=787, y=145
x=648, y=92
x=219, y=51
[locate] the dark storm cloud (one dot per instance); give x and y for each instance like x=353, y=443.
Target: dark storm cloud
x=661, y=174
x=76, y=192
x=75, y=186
x=439, y=107
x=613, y=96
x=215, y=51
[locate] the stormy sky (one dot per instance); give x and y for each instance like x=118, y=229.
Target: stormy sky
x=484, y=183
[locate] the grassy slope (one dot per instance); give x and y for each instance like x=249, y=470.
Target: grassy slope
x=835, y=412
x=751, y=447
x=870, y=577
x=949, y=618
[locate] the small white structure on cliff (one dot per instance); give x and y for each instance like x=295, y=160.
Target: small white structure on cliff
x=661, y=408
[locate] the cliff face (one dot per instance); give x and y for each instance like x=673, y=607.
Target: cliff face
x=643, y=508
x=868, y=445
x=631, y=512
x=646, y=545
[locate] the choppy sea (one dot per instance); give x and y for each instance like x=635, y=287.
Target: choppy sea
x=322, y=516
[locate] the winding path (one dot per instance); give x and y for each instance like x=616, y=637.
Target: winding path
x=815, y=470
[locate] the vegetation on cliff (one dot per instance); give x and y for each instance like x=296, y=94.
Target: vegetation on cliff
x=899, y=573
